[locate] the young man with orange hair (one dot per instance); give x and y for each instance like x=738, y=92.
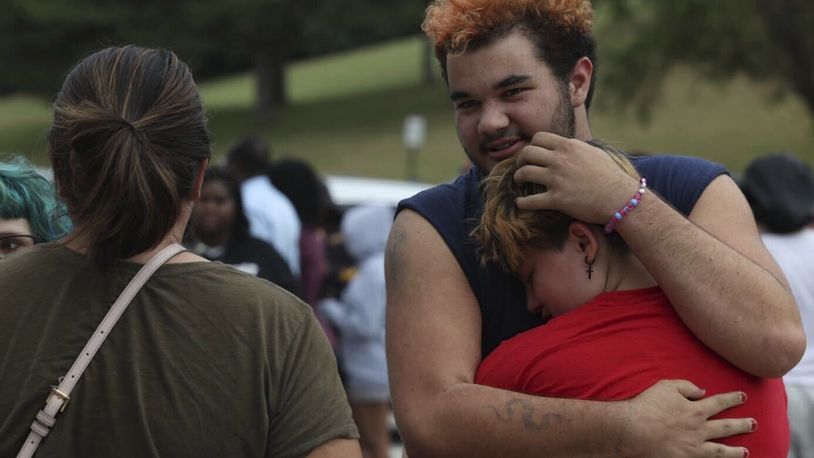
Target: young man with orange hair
x=520, y=76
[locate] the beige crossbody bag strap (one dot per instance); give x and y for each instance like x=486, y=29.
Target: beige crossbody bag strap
x=60, y=395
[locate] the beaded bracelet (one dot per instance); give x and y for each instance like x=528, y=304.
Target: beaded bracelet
x=629, y=206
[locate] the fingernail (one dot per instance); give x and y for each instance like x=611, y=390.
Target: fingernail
x=743, y=397
x=752, y=424
x=745, y=453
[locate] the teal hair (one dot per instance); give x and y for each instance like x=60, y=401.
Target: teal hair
x=24, y=193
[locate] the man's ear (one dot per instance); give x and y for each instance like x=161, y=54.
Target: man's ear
x=199, y=179
x=583, y=239
x=579, y=82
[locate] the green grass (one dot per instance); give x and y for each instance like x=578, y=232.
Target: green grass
x=731, y=123
x=392, y=65
x=23, y=123
x=347, y=112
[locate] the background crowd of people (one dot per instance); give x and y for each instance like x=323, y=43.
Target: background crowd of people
x=351, y=312
x=469, y=308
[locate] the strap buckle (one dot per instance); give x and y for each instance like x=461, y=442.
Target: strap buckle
x=55, y=392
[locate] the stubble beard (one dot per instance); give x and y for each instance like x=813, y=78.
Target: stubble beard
x=563, y=123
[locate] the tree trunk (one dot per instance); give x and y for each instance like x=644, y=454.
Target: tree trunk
x=427, y=63
x=271, y=84
x=783, y=20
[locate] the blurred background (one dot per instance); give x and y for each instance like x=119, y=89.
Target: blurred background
x=351, y=88
x=332, y=82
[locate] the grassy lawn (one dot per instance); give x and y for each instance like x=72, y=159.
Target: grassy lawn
x=348, y=109
x=23, y=123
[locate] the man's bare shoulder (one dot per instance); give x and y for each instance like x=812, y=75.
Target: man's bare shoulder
x=413, y=241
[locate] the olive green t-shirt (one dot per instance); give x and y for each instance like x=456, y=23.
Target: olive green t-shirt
x=206, y=361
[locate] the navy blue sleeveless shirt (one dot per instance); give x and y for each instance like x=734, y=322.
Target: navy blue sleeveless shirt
x=454, y=209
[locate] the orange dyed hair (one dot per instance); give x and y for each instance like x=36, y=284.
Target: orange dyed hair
x=453, y=23
x=506, y=233
x=560, y=29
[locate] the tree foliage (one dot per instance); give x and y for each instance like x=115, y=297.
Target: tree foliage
x=41, y=39
x=767, y=40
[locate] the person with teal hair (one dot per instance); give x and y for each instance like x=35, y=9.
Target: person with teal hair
x=30, y=211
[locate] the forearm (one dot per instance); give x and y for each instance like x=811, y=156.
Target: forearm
x=735, y=306
x=713, y=267
x=477, y=421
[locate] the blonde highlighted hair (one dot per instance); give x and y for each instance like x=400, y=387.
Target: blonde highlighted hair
x=506, y=232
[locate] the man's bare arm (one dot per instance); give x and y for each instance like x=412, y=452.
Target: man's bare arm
x=722, y=281
x=433, y=346
x=713, y=266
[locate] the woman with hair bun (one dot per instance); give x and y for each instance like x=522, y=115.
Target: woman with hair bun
x=206, y=360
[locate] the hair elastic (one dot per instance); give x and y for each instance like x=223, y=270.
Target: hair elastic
x=629, y=206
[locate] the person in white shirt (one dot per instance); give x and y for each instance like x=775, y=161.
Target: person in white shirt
x=780, y=190
x=272, y=217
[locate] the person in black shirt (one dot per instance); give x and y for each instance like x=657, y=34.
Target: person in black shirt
x=221, y=233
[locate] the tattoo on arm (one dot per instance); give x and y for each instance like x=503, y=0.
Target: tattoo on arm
x=533, y=420
x=394, y=253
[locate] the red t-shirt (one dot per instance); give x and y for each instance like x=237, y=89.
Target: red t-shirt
x=621, y=343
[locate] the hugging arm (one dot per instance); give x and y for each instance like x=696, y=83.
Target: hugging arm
x=712, y=266
x=723, y=282
x=433, y=349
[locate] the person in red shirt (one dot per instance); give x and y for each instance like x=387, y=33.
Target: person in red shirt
x=612, y=332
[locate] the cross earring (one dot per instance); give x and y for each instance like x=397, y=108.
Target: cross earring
x=590, y=269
